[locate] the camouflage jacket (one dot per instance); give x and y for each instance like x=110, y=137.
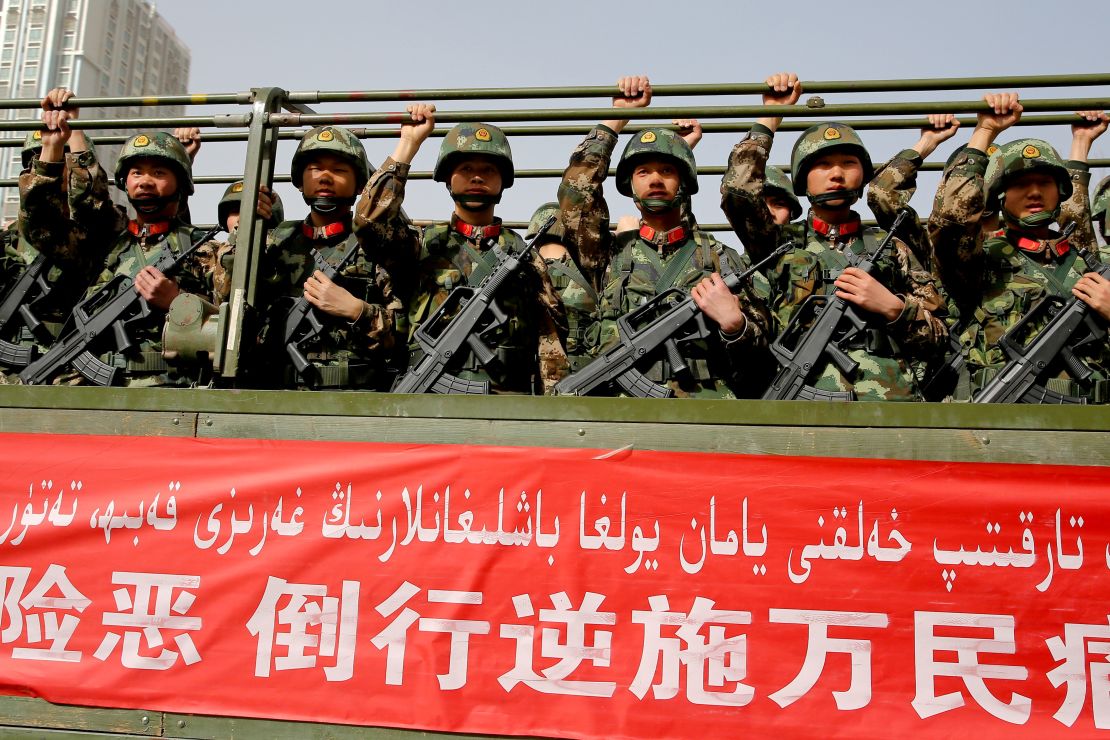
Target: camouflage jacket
x=581, y=302
x=75, y=226
x=426, y=266
x=345, y=355
x=742, y=194
x=627, y=268
x=890, y=192
x=1007, y=280
x=895, y=184
x=888, y=353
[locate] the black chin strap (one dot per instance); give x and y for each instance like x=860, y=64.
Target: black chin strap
x=151, y=204
x=329, y=204
x=848, y=196
x=475, y=202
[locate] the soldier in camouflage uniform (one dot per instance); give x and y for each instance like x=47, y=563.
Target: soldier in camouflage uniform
x=830, y=166
x=1012, y=270
x=356, y=350
x=1100, y=204
x=66, y=285
x=779, y=196
x=580, y=299
x=227, y=216
x=475, y=163
x=657, y=170
x=156, y=174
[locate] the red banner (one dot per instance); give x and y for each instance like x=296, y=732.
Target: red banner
x=554, y=592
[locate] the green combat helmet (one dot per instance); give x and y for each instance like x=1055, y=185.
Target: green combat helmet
x=156, y=145
x=1017, y=157
x=658, y=143
x=816, y=141
x=334, y=140
x=470, y=139
x=539, y=218
x=231, y=202
x=776, y=183
x=1100, y=204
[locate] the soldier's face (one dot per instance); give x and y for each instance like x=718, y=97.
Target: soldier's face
x=779, y=208
x=150, y=177
x=328, y=176
x=1031, y=192
x=475, y=175
x=232, y=221
x=656, y=179
x=834, y=171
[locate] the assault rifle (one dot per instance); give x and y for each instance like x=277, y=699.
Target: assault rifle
x=661, y=322
x=115, y=309
x=1030, y=356
x=19, y=301
x=302, y=322
x=835, y=321
x=459, y=323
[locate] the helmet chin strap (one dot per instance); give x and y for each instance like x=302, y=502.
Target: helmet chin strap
x=475, y=202
x=1032, y=221
x=328, y=204
x=848, y=196
x=152, y=204
x=659, y=205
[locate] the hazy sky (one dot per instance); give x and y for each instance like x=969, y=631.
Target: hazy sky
x=368, y=45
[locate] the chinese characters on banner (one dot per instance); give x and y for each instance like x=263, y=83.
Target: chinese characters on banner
x=555, y=592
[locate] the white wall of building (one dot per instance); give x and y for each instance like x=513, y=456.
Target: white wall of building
x=97, y=48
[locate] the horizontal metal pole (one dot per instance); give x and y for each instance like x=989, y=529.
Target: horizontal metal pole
x=579, y=91
x=739, y=88
x=827, y=112
x=234, y=120
x=137, y=100
x=875, y=124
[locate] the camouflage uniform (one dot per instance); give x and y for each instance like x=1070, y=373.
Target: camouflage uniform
x=887, y=352
x=101, y=241
x=348, y=355
x=345, y=355
x=580, y=299
x=427, y=266
x=1100, y=204
x=1008, y=272
x=630, y=268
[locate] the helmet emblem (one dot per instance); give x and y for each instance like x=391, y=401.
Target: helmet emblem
x=832, y=133
x=237, y=187
x=325, y=135
x=37, y=135
x=647, y=137
x=1030, y=152
x=141, y=140
x=482, y=135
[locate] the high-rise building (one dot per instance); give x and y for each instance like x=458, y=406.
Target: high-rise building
x=97, y=48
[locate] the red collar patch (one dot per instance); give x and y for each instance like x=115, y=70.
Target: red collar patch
x=142, y=230
x=835, y=231
x=1035, y=245
x=476, y=232
x=320, y=233
x=648, y=234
